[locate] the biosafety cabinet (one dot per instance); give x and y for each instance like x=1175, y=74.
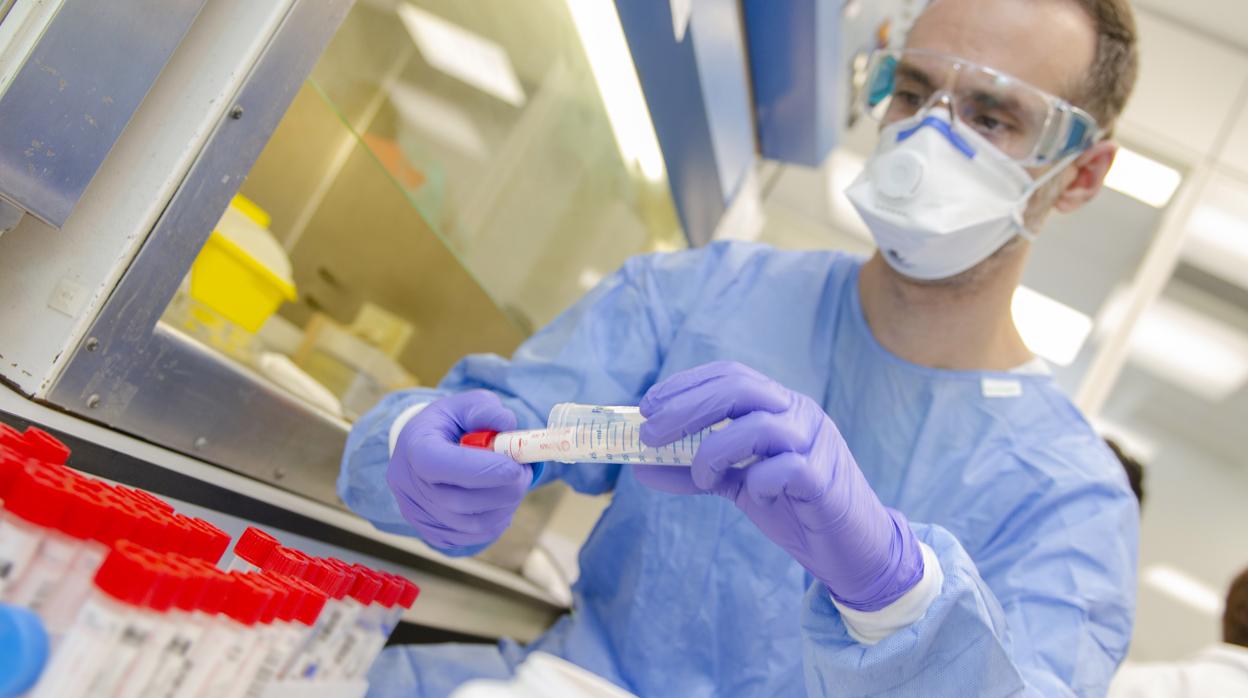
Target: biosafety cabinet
x=229, y=227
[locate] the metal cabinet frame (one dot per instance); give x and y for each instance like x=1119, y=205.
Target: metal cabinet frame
x=138, y=376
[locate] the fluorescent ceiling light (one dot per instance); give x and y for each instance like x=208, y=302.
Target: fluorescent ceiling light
x=1050, y=329
x=602, y=37
x=1191, y=350
x=462, y=54
x=1143, y=179
x=1217, y=241
x=1184, y=588
x=438, y=117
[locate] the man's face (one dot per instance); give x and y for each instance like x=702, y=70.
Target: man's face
x=1050, y=44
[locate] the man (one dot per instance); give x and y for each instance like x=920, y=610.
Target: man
x=928, y=514
x=1220, y=670
x=1133, y=468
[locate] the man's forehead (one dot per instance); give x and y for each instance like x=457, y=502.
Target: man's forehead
x=1048, y=43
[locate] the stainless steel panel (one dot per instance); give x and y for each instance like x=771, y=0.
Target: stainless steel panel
x=88, y=74
x=151, y=381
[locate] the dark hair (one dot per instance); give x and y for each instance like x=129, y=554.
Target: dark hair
x=1111, y=79
x=1235, y=617
x=1135, y=470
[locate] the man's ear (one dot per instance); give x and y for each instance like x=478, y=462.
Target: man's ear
x=1089, y=171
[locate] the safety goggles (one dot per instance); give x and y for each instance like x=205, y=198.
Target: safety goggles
x=1022, y=121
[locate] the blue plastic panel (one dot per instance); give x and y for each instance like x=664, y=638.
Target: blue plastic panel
x=795, y=48
x=698, y=93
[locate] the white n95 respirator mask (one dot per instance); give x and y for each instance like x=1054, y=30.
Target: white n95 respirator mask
x=939, y=198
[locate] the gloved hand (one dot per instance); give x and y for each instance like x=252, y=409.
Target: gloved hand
x=457, y=497
x=805, y=493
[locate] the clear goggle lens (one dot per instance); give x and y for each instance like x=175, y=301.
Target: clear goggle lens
x=1024, y=122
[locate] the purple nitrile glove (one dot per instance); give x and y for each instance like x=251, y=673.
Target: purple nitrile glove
x=805, y=493
x=456, y=497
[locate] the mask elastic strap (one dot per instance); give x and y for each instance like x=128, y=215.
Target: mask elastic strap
x=1035, y=186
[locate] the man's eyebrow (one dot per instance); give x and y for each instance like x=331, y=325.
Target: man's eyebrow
x=994, y=100
x=913, y=72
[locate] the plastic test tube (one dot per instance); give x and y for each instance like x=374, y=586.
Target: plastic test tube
x=200, y=592
x=247, y=605
x=36, y=503
x=221, y=633
x=591, y=434
x=373, y=627
x=19, y=536
x=66, y=551
x=285, y=566
x=123, y=582
x=173, y=598
x=349, y=605
x=270, y=629
x=355, y=631
x=368, y=625
x=251, y=550
x=303, y=608
x=334, y=583
x=144, y=633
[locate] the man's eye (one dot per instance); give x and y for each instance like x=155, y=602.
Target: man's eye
x=909, y=98
x=988, y=124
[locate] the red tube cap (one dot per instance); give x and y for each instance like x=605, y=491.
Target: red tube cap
x=366, y=587
x=478, y=439
x=327, y=577
x=247, y=600
x=216, y=589
x=312, y=602
x=45, y=447
x=287, y=561
x=210, y=541
x=85, y=514
x=12, y=438
x=125, y=574
x=194, y=582
x=254, y=546
x=39, y=497
x=391, y=590
x=410, y=592
x=12, y=462
x=145, y=499
x=278, y=602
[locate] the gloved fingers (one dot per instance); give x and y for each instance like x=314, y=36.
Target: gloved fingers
x=470, y=501
x=791, y=474
x=684, y=380
x=482, y=410
x=446, y=530
x=446, y=538
x=487, y=522
x=439, y=462
x=761, y=434
x=451, y=417
x=673, y=479
x=725, y=397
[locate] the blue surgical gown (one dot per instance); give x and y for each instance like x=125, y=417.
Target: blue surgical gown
x=1027, y=511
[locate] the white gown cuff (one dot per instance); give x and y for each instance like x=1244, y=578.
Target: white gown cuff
x=869, y=627
x=401, y=421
